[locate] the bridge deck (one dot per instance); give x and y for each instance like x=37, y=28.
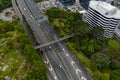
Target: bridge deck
x=61, y=39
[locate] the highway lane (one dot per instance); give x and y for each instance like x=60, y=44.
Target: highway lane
x=23, y=22
x=67, y=56
x=55, y=64
x=41, y=38
x=45, y=24
x=67, y=62
x=50, y=77
x=73, y=69
x=78, y=65
x=33, y=7
x=62, y=52
x=16, y=9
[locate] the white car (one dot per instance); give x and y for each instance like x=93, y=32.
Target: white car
x=31, y=16
x=24, y=8
x=60, y=66
x=49, y=47
x=63, y=49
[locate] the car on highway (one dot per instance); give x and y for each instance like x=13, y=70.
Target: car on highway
x=24, y=9
x=31, y=16
x=63, y=49
x=50, y=47
x=60, y=66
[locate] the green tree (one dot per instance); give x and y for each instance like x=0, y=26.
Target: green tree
x=4, y=4
x=38, y=71
x=102, y=61
x=105, y=76
x=79, y=27
x=97, y=32
x=114, y=44
x=115, y=75
x=10, y=33
x=23, y=39
x=114, y=53
x=89, y=47
x=30, y=52
x=9, y=43
x=115, y=64
x=57, y=13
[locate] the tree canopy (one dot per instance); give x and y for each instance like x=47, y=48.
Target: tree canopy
x=115, y=75
x=101, y=60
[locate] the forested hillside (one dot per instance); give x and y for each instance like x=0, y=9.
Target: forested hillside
x=18, y=59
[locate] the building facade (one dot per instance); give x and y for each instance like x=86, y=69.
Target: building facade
x=103, y=15
x=117, y=30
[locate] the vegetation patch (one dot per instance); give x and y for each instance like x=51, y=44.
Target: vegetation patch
x=8, y=14
x=18, y=59
x=100, y=56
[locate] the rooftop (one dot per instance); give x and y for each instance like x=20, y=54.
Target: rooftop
x=105, y=9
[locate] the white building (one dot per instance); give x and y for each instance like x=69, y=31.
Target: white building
x=104, y=15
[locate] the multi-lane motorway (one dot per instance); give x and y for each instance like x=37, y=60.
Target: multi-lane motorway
x=63, y=63
x=53, y=60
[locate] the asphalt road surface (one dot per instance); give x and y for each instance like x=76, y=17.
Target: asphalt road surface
x=54, y=61
x=63, y=62
x=74, y=69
